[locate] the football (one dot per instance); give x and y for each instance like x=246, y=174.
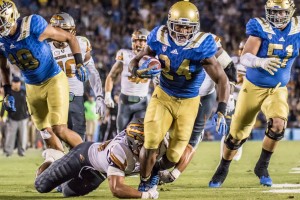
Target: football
x=153, y=62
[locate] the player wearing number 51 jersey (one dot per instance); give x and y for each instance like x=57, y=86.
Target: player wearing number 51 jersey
x=184, y=53
x=23, y=42
x=64, y=57
x=269, y=53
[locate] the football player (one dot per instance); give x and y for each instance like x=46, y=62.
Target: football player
x=207, y=93
x=241, y=72
x=86, y=166
x=133, y=98
x=63, y=56
x=269, y=54
x=184, y=53
x=23, y=43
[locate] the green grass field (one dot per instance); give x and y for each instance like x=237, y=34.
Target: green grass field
x=17, y=176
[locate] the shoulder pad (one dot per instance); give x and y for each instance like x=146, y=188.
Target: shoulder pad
x=25, y=28
x=162, y=35
x=197, y=40
x=295, y=27
x=259, y=27
x=84, y=41
x=120, y=55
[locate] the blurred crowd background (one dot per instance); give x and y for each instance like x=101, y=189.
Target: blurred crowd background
x=108, y=24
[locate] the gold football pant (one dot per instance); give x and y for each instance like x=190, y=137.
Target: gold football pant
x=48, y=103
x=166, y=113
x=252, y=99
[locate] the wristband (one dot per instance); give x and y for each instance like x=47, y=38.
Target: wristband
x=222, y=108
x=78, y=58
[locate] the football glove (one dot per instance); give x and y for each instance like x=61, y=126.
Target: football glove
x=230, y=104
x=108, y=100
x=218, y=120
x=165, y=176
x=144, y=72
x=9, y=103
x=152, y=193
x=271, y=65
x=100, y=107
x=81, y=73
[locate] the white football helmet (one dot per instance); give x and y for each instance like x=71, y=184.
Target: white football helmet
x=64, y=21
x=8, y=16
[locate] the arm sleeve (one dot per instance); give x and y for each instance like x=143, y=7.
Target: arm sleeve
x=38, y=25
x=94, y=77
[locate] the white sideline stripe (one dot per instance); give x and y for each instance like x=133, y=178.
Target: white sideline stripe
x=294, y=172
x=284, y=191
x=286, y=185
x=296, y=169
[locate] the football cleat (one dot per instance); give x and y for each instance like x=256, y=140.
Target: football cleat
x=214, y=184
x=144, y=186
x=266, y=181
x=219, y=177
x=263, y=175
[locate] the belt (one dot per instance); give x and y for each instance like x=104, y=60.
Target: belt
x=131, y=98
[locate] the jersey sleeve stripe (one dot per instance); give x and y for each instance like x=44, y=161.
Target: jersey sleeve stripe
x=25, y=28
x=118, y=162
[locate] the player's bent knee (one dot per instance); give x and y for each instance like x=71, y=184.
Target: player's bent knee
x=276, y=129
x=232, y=143
x=173, y=156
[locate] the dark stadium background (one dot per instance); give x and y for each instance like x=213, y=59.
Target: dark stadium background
x=109, y=24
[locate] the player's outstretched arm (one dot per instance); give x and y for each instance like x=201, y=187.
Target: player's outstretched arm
x=120, y=190
x=109, y=82
x=249, y=58
x=5, y=70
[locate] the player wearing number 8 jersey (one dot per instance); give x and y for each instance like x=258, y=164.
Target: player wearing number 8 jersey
x=184, y=53
x=269, y=53
x=23, y=42
x=64, y=57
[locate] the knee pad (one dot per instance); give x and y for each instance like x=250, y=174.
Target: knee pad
x=232, y=143
x=274, y=135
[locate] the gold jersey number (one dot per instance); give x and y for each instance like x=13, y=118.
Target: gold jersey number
x=289, y=49
x=67, y=67
x=183, y=70
x=24, y=60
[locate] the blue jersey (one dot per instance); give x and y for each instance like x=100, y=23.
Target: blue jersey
x=23, y=49
x=182, y=73
x=275, y=43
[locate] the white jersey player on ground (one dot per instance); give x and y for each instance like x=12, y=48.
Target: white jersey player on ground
x=207, y=101
x=87, y=165
x=133, y=98
x=63, y=55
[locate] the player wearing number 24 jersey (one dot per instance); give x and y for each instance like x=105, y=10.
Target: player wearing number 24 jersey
x=269, y=53
x=184, y=53
x=23, y=43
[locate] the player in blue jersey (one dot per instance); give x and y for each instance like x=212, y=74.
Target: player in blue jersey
x=184, y=53
x=23, y=43
x=269, y=53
